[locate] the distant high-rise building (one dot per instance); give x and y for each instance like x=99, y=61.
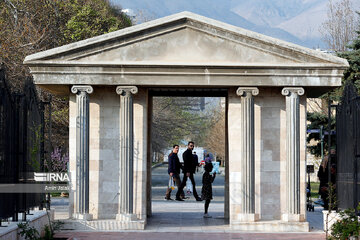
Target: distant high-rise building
x=202, y=103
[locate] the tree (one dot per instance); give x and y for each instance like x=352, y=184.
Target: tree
x=177, y=120
x=339, y=28
x=353, y=56
x=215, y=141
x=318, y=119
x=352, y=74
x=93, y=18
x=26, y=27
x=30, y=26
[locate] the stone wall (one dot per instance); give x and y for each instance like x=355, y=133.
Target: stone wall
x=38, y=220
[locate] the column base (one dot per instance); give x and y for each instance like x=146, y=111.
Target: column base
x=126, y=217
x=287, y=217
x=83, y=216
x=248, y=217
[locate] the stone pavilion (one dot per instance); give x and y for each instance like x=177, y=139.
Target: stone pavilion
x=110, y=81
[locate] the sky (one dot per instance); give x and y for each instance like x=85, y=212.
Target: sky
x=296, y=21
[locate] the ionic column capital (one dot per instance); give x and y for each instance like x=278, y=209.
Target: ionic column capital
x=82, y=88
x=243, y=91
x=287, y=90
x=123, y=90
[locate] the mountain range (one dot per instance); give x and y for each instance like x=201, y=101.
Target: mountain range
x=296, y=21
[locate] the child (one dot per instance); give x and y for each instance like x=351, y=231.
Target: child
x=206, y=192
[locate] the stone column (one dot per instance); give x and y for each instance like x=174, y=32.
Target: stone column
x=125, y=211
x=247, y=153
x=292, y=152
x=82, y=152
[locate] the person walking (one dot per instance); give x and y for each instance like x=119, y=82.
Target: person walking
x=196, y=161
x=207, y=158
x=324, y=188
x=206, y=191
x=188, y=170
x=173, y=170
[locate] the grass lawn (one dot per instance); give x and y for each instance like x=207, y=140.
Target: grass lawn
x=314, y=189
x=154, y=163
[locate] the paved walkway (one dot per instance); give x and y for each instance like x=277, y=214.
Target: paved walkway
x=191, y=236
x=184, y=220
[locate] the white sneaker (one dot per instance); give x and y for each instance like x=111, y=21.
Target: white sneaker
x=207, y=216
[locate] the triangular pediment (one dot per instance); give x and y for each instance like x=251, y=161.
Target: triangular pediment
x=186, y=45
x=184, y=38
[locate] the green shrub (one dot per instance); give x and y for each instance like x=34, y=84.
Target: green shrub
x=347, y=226
x=29, y=233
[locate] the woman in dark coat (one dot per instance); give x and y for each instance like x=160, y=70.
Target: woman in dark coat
x=206, y=191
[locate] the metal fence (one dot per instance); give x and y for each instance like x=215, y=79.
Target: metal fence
x=21, y=146
x=348, y=148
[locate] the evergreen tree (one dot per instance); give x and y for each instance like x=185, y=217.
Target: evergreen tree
x=318, y=119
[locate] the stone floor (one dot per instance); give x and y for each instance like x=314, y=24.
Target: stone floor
x=184, y=220
x=190, y=236
x=173, y=216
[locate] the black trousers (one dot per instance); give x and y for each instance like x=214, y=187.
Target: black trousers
x=183, y=184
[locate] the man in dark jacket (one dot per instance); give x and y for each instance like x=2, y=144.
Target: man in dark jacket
x=189, y=170
x=173, y=170
x=196, y=161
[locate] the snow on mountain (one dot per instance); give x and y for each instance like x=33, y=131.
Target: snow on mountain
x=271, y=12
x=296, y=21
x=306, y=25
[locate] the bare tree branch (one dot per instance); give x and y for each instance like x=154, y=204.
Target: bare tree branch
x=14, y=11
x=339, y=28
